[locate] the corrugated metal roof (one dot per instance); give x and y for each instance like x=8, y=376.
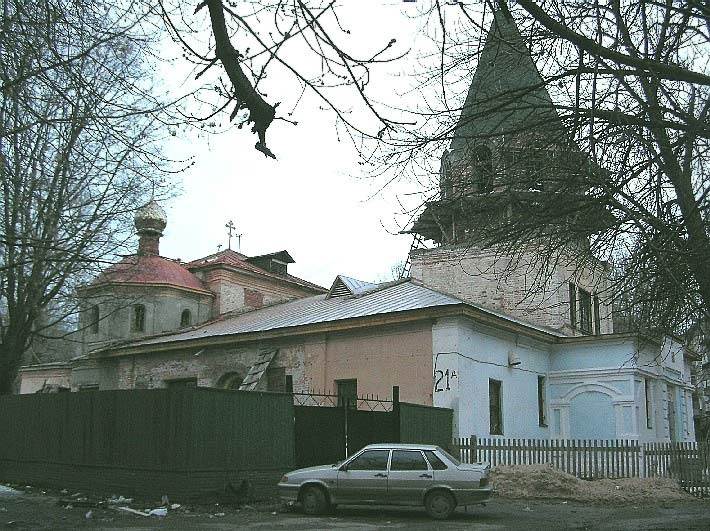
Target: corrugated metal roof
x=393, y=297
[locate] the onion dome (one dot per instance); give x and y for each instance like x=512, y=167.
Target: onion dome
x=150, y=218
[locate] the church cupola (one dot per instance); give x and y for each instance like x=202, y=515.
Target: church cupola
x=150, y=221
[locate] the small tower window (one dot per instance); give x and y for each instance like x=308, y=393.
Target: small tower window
x=482, y=169
x=185, y=318
x=138, y=323
x=445, y=183
x=585, y=311
x=94, y=319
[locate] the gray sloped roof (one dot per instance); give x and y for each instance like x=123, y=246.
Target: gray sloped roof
x=353, y=285
x=392, y=297
x=507, y=93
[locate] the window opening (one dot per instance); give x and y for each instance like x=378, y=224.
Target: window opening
x=496, y=407
x=585, y=311
x=572, y=305
x=482, y=169
x=138, y=324
x=649, y=404
x=347, y=392
x=185, y=318
x=94, y=319
x=276, y=379
x=181, y=382
x=541, y=417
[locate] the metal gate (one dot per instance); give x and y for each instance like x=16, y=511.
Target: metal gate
x=329, y=428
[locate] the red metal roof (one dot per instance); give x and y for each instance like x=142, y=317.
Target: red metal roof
x=150, y=269
x=238, y=260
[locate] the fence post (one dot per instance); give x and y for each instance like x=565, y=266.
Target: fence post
x=396, y=412
x=474, y=449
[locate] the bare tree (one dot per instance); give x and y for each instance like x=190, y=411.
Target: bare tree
x=307, y=40
x=77, y=134
x=585, y=134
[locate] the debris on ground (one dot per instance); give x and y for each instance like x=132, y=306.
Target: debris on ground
x=8, y=491
x=546, y=481
x=119, y=500
x=132, y=511
x=162, y=511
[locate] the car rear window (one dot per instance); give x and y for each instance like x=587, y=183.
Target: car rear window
x=408, y=460
x=370, y=460
x=434, y=461
x=448, y=456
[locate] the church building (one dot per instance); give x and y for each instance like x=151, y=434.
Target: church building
x=515, y=346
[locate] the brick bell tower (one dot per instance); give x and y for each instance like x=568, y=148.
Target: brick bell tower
x=508, y=147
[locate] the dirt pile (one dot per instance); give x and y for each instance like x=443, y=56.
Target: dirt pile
x=545, y=481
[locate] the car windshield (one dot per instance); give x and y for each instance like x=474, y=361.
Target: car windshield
x=448, y=456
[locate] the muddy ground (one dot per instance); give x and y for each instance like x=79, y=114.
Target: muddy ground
x=45, y=511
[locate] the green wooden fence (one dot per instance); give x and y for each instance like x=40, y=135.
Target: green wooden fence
x=162, y=441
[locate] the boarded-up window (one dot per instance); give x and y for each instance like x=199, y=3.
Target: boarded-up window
x=347, y=392
x=253, y=298
x=495, y=400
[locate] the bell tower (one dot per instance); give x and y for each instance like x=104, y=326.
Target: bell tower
x=509, y=147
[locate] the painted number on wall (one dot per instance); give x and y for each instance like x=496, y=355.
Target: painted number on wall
x=443, y=380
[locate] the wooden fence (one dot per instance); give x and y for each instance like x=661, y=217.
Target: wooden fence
x=689, y=463
x=180, y=442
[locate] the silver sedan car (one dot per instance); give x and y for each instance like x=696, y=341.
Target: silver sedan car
x=390, y=474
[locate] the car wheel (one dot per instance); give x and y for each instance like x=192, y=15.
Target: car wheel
x=440, y=504
x=314, y=501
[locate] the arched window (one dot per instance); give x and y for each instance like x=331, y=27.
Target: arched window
x=138, y=322
x=230, y=380
x=94, y=319
x=482, y=169
x=185, y=318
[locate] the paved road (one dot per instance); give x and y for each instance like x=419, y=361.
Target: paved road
x=38, y=511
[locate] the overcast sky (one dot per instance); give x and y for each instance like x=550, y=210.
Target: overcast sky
x=314, y=201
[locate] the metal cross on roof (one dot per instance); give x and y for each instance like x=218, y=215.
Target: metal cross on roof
x=232, y=227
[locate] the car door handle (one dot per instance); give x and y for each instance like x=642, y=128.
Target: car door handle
x=380, y=475
x=425, y=476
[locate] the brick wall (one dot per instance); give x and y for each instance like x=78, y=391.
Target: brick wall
x=514, y=287
x=209, y=366
x=237, y=291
